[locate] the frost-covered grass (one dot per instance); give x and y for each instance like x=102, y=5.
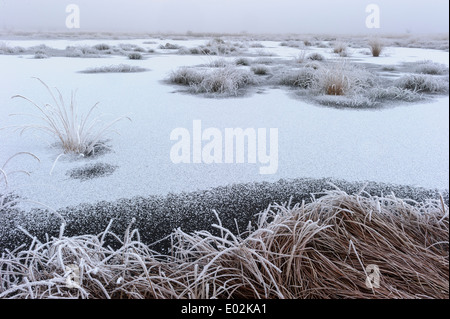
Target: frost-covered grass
x=77, y=133
x=102, y=47
x=343, y=84
x=260, y=69
x=121, y=68
x=342, y=78
x=301, y=78
x=301, y=57
x=392, y=93
x=135, y=56
x=226, y=81
x=423, y=83
x=376, y=46
x=291, y=253
x=315, y=57
x=5, y=49
x=169, y=46
x=341, y=48
x=243, y=61
x=215, y=46
x=292, y=44
x=40, y=55
x=186, y=76
x=429, y=67
x=219, y=63
x=337, y=82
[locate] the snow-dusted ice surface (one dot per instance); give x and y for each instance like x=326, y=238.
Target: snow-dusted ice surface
x=407, y=144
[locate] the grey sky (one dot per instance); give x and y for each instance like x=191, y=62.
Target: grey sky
x=255, y=16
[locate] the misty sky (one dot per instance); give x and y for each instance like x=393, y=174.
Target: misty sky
x=254, y=16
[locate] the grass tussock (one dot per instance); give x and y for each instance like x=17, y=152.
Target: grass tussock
x=302, y=78
x=135, y=56
x=376, y=47
x=215, y=46
x=260, y=70
x=430, y=67
x=78, y=134
x=342, y=78
x=224, y=81
x=423, y=83
x=322, y=249
x=315, y=57
x=169, y=46
x=341, y=48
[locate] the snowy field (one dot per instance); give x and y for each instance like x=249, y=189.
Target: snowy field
x=401, y=143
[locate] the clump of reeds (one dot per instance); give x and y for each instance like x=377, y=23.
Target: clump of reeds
x=77, y=133
x=376, y=47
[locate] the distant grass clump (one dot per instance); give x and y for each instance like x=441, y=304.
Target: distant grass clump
x=292, y=44
x=227, y=81
x=256, y=45
x=301, y=57
x=263, y=60
x=40, y=55
x=102, y=47
x=260, y=70
x=242, y=61
x=376, y=47
x=121, y=68
x=82, y=52
x=315, y=57
x=76, y=133
x=215, y=46
x=389, y=68
x=169, y=46
x=135, y=56
x=219, y=63
x=340, y=48
x=423, y=83
x=317, y=250
x=5, y=49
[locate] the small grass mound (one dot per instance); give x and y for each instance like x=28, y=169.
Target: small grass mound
x=225, y=81
x=169, y=46
x=315, y=57
x=135, y=56
x=301, y=78
x=342, y=78
x=430, y=67
x=423, y=83
x=260, y=70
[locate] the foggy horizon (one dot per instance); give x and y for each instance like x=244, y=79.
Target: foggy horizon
x=226, y=16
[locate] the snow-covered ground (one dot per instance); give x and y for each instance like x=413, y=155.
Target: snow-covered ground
x=407, y=144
